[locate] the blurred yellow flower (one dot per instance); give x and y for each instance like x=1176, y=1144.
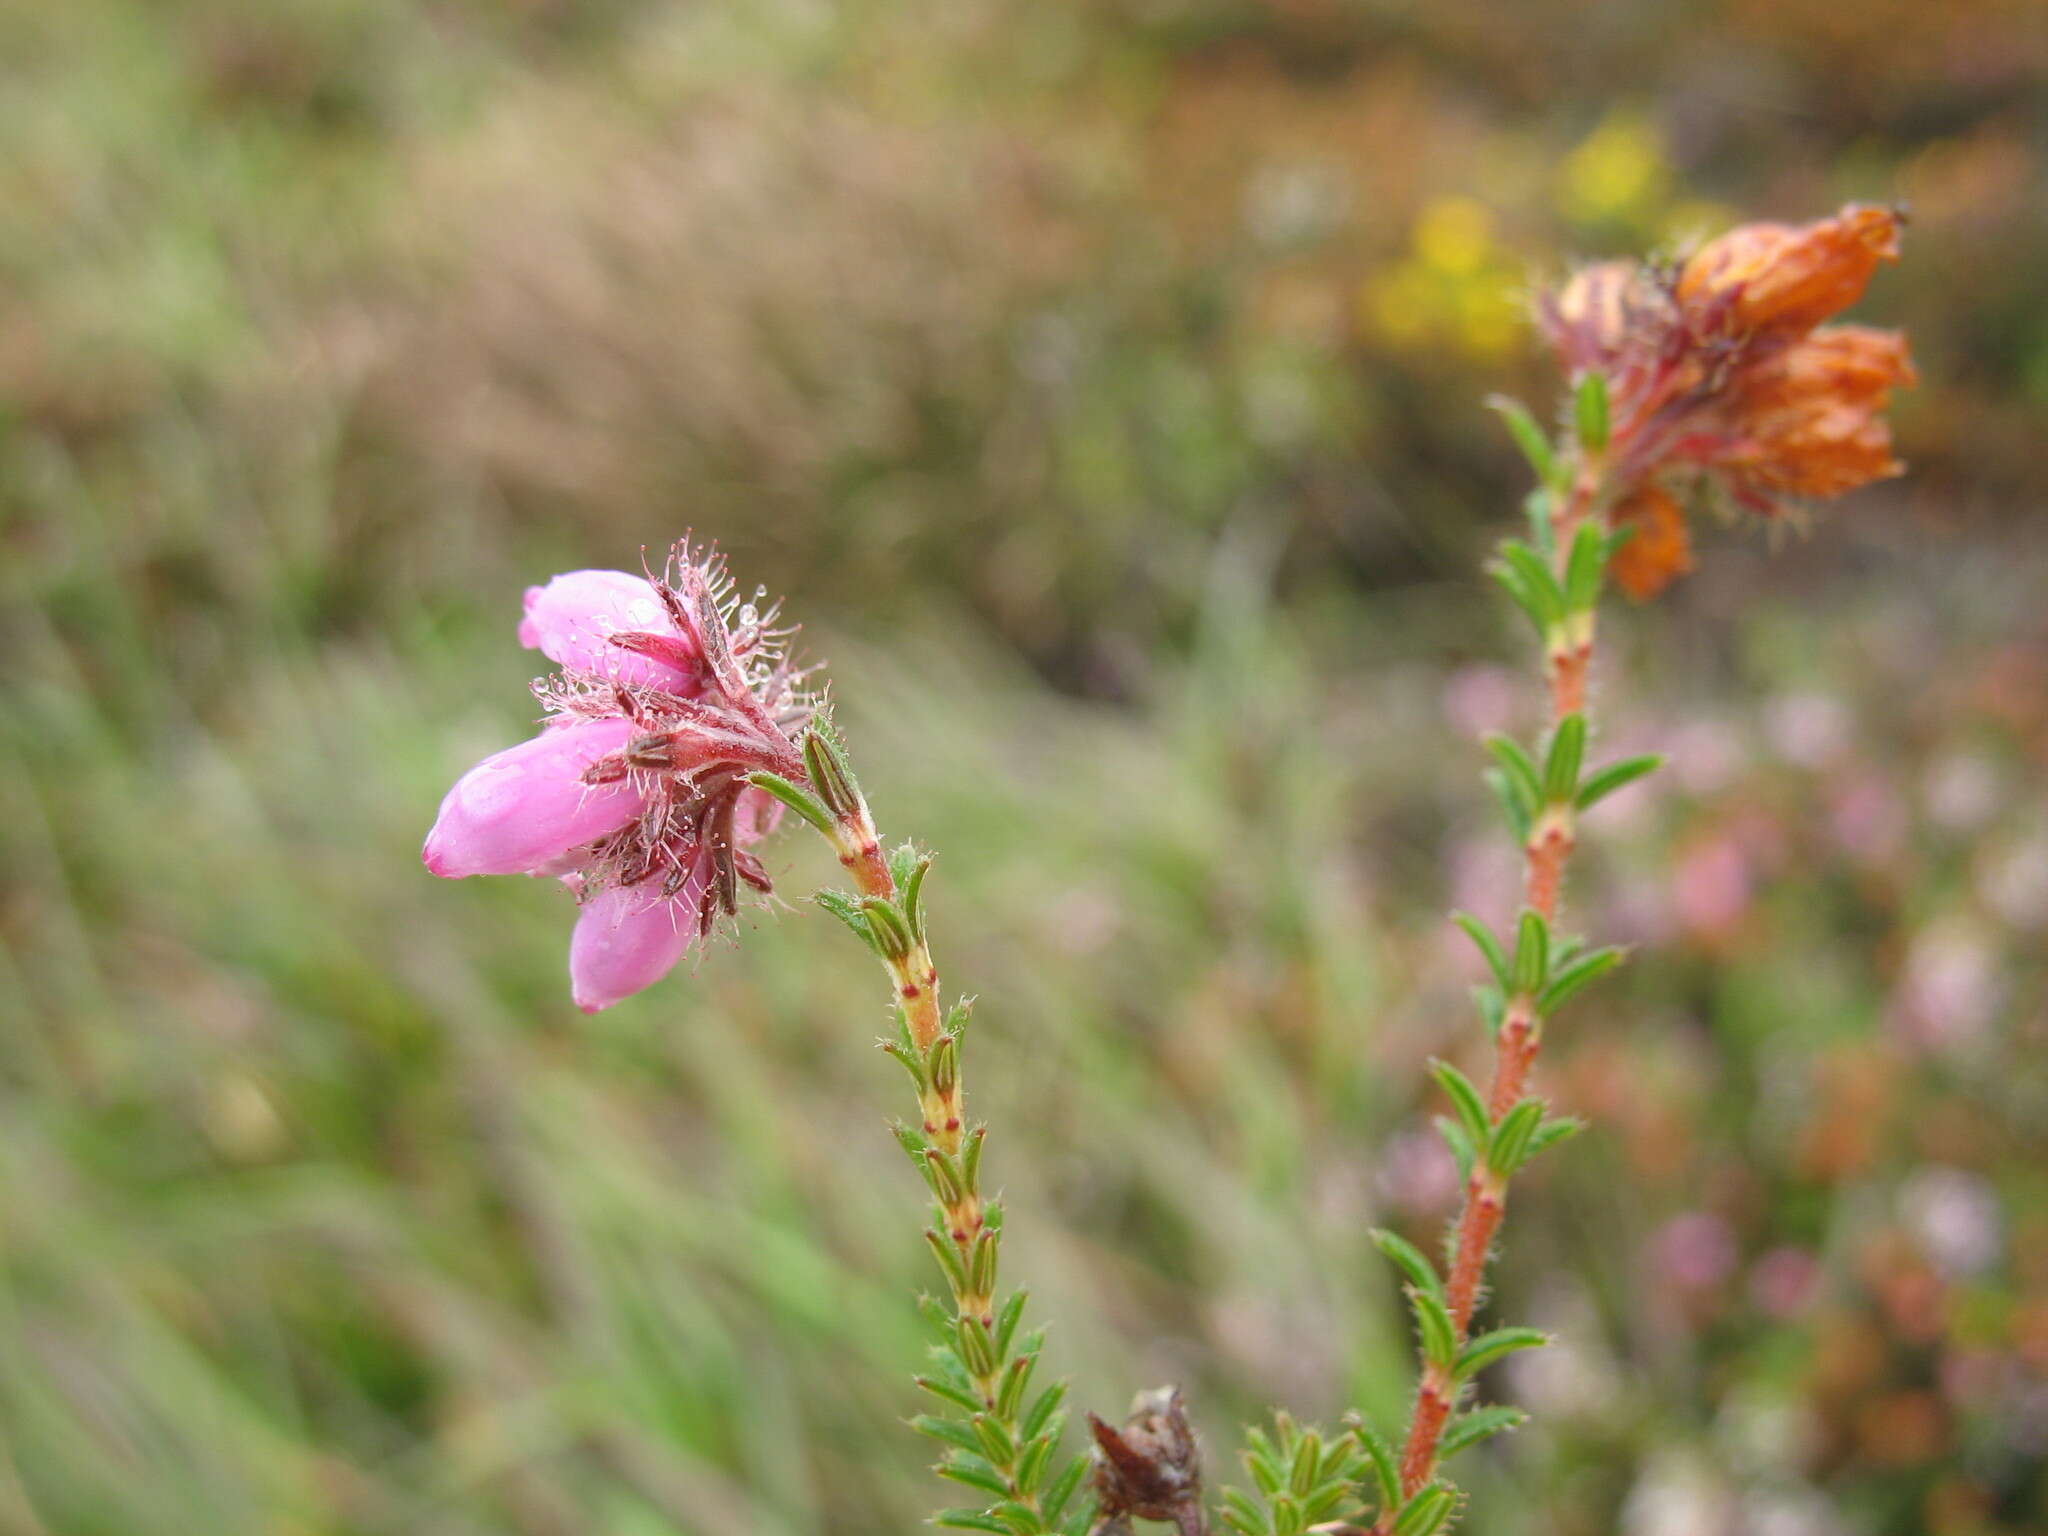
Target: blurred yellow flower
x=1616, y=173
x=1459, y=287
x=1454, y=235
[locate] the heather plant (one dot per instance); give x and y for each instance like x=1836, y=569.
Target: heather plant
x=680, y=731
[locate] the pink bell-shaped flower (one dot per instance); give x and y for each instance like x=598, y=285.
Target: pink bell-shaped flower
x=519, y=809
x=572, y=619
x=628, y=938
x=637, y=790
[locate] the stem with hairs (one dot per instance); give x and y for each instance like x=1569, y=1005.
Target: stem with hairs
x=1000, y=1440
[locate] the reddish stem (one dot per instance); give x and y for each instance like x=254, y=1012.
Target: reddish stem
x=1545, y=860
x=869, y=869
x=1484, y=1207
x=1547, y=853
x=1514, y=1056
x=1432, y=1412
x=1567, y=676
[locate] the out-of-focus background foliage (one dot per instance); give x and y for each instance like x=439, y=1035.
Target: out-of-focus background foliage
x=1101, y=382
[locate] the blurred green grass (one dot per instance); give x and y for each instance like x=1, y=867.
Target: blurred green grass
x=1100, y=383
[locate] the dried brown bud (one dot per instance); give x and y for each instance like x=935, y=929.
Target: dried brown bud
x=1785, y=278
x=1151, y=1468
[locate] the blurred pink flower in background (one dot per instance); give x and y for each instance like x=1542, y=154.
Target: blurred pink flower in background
x=1954, y=1217
x=1784, y=1282
x=1950, y=988
x=1961, y=791
x=1575, y=1377
x=1809, y=729
x=1704, y=755
x=1677, y=1494
x=2012, y=876
x=1481, y=698
x=1764, y=836
x=1485, y=878
x=1711, y=886
x=1975, y=1378
x=1867, y=819
x=1694, y=1251
x=1417, y=1174
x=1640, y=910
x=1790, y=1512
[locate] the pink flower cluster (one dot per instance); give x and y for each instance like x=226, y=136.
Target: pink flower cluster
x=635, y=793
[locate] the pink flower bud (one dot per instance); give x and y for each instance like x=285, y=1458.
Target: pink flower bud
x=629, y=937
x=571, y=621
x=517, y=811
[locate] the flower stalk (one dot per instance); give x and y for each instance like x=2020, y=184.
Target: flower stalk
x=1511, y=1128
x=1714, y=376
x=1000, y=1439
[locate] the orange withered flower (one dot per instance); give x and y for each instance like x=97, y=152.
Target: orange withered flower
x=1808, y=420
x=1658, y=549
x=1785, y=278
x=1714, y=368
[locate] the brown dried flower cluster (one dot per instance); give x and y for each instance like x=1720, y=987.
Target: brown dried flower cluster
x=1719, y=370
x=1151, y=1469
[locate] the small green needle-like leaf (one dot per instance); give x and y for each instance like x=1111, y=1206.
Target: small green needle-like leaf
x=1509, y=1147
x=1469, y=1429
x=1465, y=1098
x=1528, y=436
x=1532, y=952
x=1590, y=412
x=1409, y=1259
x=1561, y=767
x=1433, y=1323
x=1602, y=782
x=1520, y=768
x=1483, y=940
x=1582, y=972
x=1497, y=1345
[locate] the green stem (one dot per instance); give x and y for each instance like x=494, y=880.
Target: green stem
x=1001, y=1441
